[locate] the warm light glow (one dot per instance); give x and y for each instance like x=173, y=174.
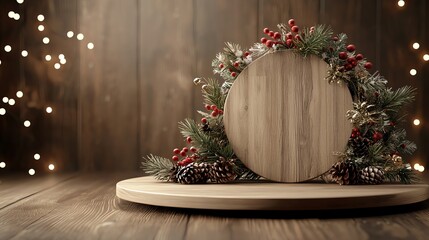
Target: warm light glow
x=11, y=101
x=48, y=109
x=57, y=66
x=426, y=57
x=0, y=62
x=416, y=45
x=19, y=94
x=413, y=72
x=2, y=111
x=11, y=14
x=401, y=3
x=61, y=56
x=24, y=53
x=70, y=34
x=5, y=99
x=48, y=57
x=20, y=1
x=90, y=45
x=31, y=171
x=41, y=28
x=27, y=123
x=2, y=164
x=80, y=36
x=16, y=16
x=46, y=40
x=36, y=156
x=416, y=122
x=63, y=61
x=40, y=18
x=416, y=166
x=7, y=48
x=51, y=167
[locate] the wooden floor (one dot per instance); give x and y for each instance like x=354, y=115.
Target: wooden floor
x=84, y=206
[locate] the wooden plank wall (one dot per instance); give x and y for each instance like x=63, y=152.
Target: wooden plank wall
x=133, y=88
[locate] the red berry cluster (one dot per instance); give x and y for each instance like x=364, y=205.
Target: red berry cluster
x=351, y=60
x=276, y=37
x=377, y=136
x=187, y=155
x=215, y=111
x=236, y=65
x=355, y=133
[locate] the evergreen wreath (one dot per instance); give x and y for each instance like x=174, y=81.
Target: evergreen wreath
x=375, y=148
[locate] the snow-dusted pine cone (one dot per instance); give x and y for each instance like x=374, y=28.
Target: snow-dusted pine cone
x=371, y=175
x=222, y=171
x=173, y=173
x=191, y=174
x=360, y=146
x=344, y=173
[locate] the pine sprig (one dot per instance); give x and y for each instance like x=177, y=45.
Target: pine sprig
x=392, y=101
x=314, y=42
x=158, y=167
x=402, y=175
x=212, y=93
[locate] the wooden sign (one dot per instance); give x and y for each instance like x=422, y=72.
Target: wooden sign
x=284, y=120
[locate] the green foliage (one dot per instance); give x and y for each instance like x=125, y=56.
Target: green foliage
x=314, y=42
x=158, y=167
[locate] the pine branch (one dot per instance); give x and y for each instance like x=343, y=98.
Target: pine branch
x=314, y=42
x=213, y=94
x=393, y=101
x=158, y=167
x=402, y=175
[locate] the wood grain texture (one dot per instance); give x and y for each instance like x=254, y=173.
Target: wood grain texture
x=268, y=196
x=85, y=207
x=284, y=120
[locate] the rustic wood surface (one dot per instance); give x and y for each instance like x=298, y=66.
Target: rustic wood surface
x=84, y=206
x=268, y=195
x=281, y=111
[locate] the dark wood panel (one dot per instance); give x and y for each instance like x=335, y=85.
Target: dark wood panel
x=166, y=70
x=108, y=93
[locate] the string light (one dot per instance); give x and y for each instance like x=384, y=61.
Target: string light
x=19, y=94
x=80, y=36
x=48, y=57
x=24, y=53
x=20, y=1
x=416, y=45
x=416, y=122
x=11, y=14
x=49, y=110
x=40, y=17
x=0, y=62
x=5, y=99
x=426, y=57
x=416, y=166
x=2, y=164
x=27, y=123
x=51, y=167
x=41, y=28
x=61, y=56
x=46, y=40
x=401, y=3
x=31, y=171
x=57, y=66
x=421, y=168
x=36, y=156
x=90, y=45
x=63, y=61
x=16, y=16
x=70, y=34
x=11, y=101
x=2, y=111
x=413, y=72
x=7, y=48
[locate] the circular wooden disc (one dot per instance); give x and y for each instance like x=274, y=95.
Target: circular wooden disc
x=284, y=120
x=268, y=196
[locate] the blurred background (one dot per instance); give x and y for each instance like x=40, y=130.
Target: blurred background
x=95, y=85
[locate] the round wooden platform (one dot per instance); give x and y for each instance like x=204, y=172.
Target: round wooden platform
x=268, y=196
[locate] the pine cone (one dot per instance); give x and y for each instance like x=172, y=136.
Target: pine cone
x=344, y=173
x=360, y=146
x=173, y=174
x=191, y=173
x=371, y=175
x=222, y=171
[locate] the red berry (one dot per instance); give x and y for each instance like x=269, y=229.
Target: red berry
x=266, y=30
x=213, y=107
x=216, y=110
x=359, y=57
x=185, y=149
x=236, y=64
x=215, y=113
x=377, y=136
x=263, y=40
x=355, y=130
x=175, y=158
x=221, y=66
x=342, y=55
x=289, y=35
x=312, y=29
x=295, y=29
x=269, y=43
x=182, y=153
x=403, y=145
x=368, y=65
x=351, y=59
x=277, y=35
x=353, y=135
x=271, y=34
x=176, y=151
x=335, y=39
x=189, y=139
x=354, y=63
x=230, y=70
x=348, y=67
x=391, y=124
x=233, y=74
x=297, y=37
x=291, y=22
x=220, y=112
x=193, y=149
x=351, y=48
x=207, y=107
x=246, y=54
x=289, y=42
x=203, y=120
